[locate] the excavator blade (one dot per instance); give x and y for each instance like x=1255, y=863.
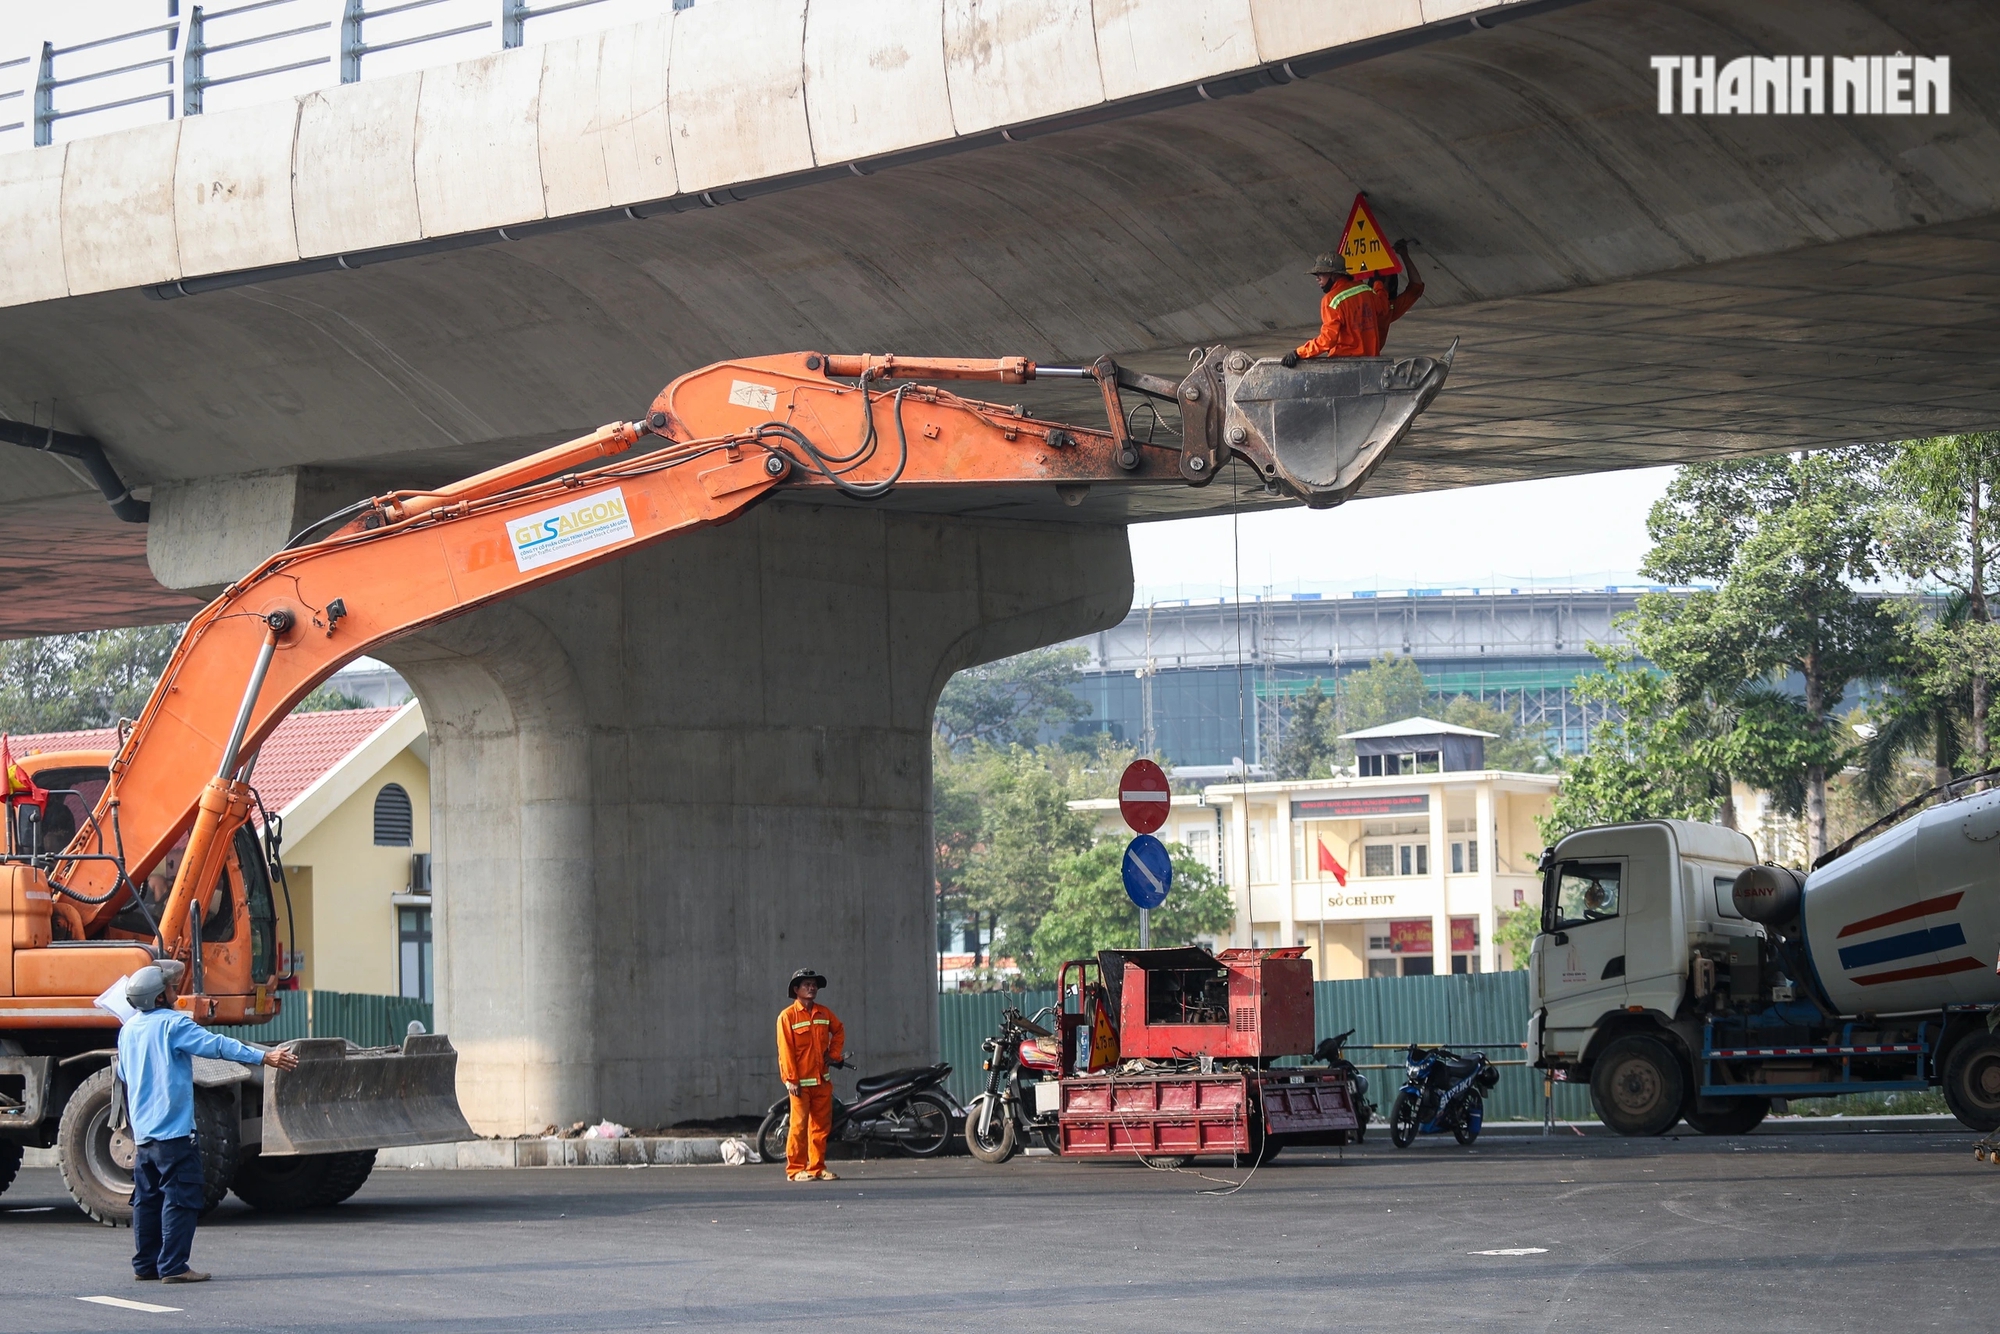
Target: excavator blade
x=344, y=1097
x=1326, y=423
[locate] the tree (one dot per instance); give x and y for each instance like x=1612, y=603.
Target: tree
x=327, y=698
x=1012, y=701
x=1785, y=538
x=1308, y=747
x=1515, y=932
x=1511, y=748
x=1642, y=762
x=1026, y=828
x=64, y=683
x=1937, y=526
x=1092, y=912
x=1387, y=690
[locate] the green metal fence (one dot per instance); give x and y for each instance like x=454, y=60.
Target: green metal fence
x=366, y=1021
x=1485, y=1011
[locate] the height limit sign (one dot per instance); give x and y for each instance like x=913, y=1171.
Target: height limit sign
x=1143, y=798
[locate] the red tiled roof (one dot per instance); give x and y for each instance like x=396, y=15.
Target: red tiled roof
x=299, y=752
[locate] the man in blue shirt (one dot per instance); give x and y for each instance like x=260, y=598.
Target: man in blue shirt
x=156, y=1048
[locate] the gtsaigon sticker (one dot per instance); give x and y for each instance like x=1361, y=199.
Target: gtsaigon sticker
x=762, y=397
x=570, y=529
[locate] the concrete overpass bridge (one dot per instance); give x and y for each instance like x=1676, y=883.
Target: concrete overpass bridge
x=662, y=785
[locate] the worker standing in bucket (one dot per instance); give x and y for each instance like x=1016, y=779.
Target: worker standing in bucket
x=1356, y=311
x=810, y=1040
x=155, y=1051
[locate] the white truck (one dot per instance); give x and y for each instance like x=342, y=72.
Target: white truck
x=1683, y=980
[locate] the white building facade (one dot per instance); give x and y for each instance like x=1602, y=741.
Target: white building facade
x=1387, y=876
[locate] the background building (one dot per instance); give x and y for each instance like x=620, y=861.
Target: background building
x=1203, y=682
x=1401, y=873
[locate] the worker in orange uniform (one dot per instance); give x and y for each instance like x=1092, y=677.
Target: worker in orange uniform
x=1394, y=305
x=1354, y=316
x=810, y=1040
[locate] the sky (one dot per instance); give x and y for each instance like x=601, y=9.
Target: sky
x=1567, y=531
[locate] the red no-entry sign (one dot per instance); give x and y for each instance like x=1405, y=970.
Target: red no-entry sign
x=1143, y=798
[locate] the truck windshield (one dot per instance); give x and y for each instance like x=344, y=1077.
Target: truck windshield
x=1580, y=892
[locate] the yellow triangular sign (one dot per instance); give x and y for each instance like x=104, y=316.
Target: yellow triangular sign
x=1362, y=247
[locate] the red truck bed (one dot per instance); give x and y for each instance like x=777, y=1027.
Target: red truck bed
x=1172, y=1115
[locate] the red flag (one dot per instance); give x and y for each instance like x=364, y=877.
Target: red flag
x=15, y=782
x=1327, y=863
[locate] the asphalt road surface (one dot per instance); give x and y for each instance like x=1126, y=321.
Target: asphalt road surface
x=1768, y=1232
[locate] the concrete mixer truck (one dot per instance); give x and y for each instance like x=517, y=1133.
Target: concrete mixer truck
x=1683, y=980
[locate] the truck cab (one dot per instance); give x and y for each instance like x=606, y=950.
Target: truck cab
x=1635, y=918
x=1683, y=980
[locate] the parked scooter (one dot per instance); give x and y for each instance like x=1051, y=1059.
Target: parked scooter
x=1442, y=1091
x=909, y=1109
x=1019, y=1059
x=1329, y=1050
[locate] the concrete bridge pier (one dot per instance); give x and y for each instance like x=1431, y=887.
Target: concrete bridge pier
x=661, y=786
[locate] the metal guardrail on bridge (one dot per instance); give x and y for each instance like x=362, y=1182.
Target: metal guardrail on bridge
x=169, y=62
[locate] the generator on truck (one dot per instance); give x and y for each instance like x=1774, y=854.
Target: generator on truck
x=1166, y=1055
x=84, y=830
x=1685, y=980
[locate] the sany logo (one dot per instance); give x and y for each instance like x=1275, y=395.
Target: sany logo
x=1897, y=85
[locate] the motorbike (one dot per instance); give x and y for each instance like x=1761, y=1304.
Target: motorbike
x=910, y=1110
x=1329, y=1050
x=1442, y=1091
x=1019, y=1058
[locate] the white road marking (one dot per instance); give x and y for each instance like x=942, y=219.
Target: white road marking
x=37, y=1209
x=1514, y=1250
x=127, y=1304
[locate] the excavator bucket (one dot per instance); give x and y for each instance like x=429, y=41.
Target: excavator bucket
x=1324, y=424
x=343, y=1097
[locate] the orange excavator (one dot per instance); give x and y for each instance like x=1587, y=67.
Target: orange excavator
x=83, y=830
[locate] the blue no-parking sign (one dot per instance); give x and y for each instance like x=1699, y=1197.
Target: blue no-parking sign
x=1149, y=872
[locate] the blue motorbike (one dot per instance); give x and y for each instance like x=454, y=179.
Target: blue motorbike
x=1442, y=1091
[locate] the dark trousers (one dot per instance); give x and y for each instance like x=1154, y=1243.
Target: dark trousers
x=166, y=1202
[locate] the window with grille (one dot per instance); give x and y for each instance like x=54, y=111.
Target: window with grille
x=392, y=817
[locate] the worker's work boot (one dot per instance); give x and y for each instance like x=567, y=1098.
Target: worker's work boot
x=186, y=1276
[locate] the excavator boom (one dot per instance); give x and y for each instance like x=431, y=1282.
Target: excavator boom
x=713, y=443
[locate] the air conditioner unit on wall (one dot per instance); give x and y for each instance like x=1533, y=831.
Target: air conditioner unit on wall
x=420, y=873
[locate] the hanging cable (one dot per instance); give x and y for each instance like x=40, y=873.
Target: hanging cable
x=823, y=462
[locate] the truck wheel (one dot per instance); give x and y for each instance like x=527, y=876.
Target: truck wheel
x=96, y=1166
x=1972, y=1082
x=997, y=1144
x=280, y=1185
x=1743, y=1116
x=1637, y=1086
x=215, y=1132
x=10, y=1162
x=345, y=1174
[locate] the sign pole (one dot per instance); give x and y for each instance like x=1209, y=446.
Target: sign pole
x=1145, y=928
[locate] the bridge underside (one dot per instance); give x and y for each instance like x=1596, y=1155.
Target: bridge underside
x=1632, y=289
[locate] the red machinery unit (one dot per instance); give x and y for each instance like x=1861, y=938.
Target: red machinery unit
x=1191, y=1073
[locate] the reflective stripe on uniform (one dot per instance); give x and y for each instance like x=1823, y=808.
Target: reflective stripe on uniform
x=1333, y=302
x=800, y=1028
x=807, y=1083
x=821, y=1022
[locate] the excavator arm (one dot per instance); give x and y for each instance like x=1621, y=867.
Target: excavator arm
x=717, y=440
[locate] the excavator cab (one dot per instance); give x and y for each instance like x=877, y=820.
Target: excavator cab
x=289, y=1139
